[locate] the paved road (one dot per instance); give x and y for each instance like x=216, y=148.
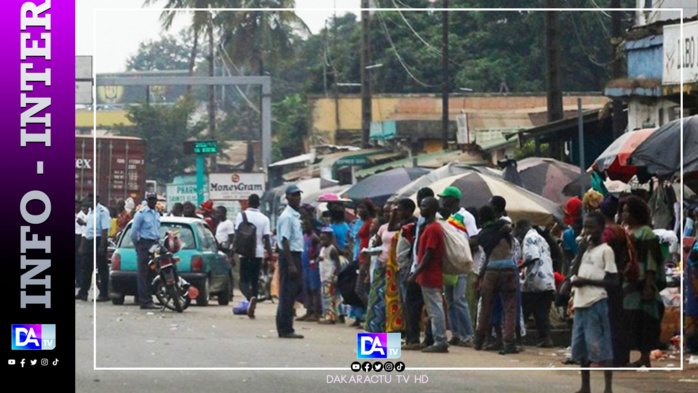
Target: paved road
x=212, y=337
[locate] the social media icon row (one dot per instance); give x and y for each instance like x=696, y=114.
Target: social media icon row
x=377, y=367
x=32, y=362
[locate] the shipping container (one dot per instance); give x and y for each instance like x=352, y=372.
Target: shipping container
x=120, y=168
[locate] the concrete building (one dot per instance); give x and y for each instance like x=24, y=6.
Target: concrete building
x=653, y=86
x=413, y=122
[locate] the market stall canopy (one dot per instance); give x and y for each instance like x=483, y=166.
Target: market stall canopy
x=437, y=174
x=381, y=186
x=660, y=153
x=614, y=160
x=275, y=199
x=479, y=188
x=548, y=177
x=312, y=197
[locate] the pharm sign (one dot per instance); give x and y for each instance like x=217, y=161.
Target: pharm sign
x=182, y=193
x=235, y=186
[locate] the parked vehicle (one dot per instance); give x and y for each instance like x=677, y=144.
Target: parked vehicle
x=171, y=290
x=120, y=167
x=201, y=264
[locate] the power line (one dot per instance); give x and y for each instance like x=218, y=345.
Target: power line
x=244, y=96
x=584, y=49
x=429, y=46
x=397, y=55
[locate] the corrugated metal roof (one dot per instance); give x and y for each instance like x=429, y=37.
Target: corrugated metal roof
x=294, y=160
x=643, y=43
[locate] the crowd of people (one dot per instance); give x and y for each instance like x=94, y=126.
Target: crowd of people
x=602, y=268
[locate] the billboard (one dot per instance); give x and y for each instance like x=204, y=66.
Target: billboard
x=235, y=186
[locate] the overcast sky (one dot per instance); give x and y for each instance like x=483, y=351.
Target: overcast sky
x=116, y=33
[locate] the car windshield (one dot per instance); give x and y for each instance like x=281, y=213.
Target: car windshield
x=208, y=242
x=186, y=235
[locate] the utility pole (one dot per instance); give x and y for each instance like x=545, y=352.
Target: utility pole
x=554, y=84
x=616, y=68
x=335, y=90
x=365, y=75
x=446, y=79
x=211, y=91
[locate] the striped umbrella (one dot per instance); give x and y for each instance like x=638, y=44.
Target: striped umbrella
x=614, y=160
x=454, y=168
x=381, y=186
x=548, y=177
x=477, y=189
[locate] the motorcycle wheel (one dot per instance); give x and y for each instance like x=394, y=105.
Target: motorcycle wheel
x=176, y=299
x=167, y=295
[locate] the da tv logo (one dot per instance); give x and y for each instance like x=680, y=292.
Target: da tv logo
x=33, y=337
x=378, y=345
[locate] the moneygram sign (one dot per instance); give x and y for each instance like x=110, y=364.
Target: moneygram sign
x=235, y=186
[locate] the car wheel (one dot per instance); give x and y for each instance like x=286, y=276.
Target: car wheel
x=202, y=299
x=118, y=300
x=224, y=294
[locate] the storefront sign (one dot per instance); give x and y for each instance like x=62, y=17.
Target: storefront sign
x=177, y=193
x=235, y=186
x=677, y=55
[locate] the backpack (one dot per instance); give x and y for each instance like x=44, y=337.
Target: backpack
x=458, y=258
x=246, y=238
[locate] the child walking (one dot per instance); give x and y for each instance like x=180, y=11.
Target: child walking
x=593, y=273
x=329, y=270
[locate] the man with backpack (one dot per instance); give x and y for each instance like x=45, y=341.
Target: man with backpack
x=252, y=238
x=458, y=310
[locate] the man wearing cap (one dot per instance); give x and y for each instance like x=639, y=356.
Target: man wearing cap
x=145, y=233
x=458, y=310
x=97, y=224
x=290, y=246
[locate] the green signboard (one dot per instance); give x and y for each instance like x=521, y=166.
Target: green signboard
x=200, y=147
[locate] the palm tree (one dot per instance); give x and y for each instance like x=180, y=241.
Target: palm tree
x=200, y=21
x=257, y=37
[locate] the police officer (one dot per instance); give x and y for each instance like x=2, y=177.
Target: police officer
x=145, y=233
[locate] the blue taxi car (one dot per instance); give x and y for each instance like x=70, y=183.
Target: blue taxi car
x=207, y=269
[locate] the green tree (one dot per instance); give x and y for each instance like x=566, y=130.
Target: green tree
x=200, y=20
x=164, y=128
x=261, y=39
x=291, y=129
x=168, y=53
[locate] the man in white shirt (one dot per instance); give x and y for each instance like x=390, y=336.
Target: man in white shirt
x=94, y=243
x=250, y=267
x=539, y=281
x=225, y=229
x=80, y=222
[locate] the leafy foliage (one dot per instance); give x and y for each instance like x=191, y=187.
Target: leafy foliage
x=168, y=53
x=290, y=132
x=164, y=128
x=489, y=52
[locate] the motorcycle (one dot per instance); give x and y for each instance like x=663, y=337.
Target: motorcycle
x=171, y=290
